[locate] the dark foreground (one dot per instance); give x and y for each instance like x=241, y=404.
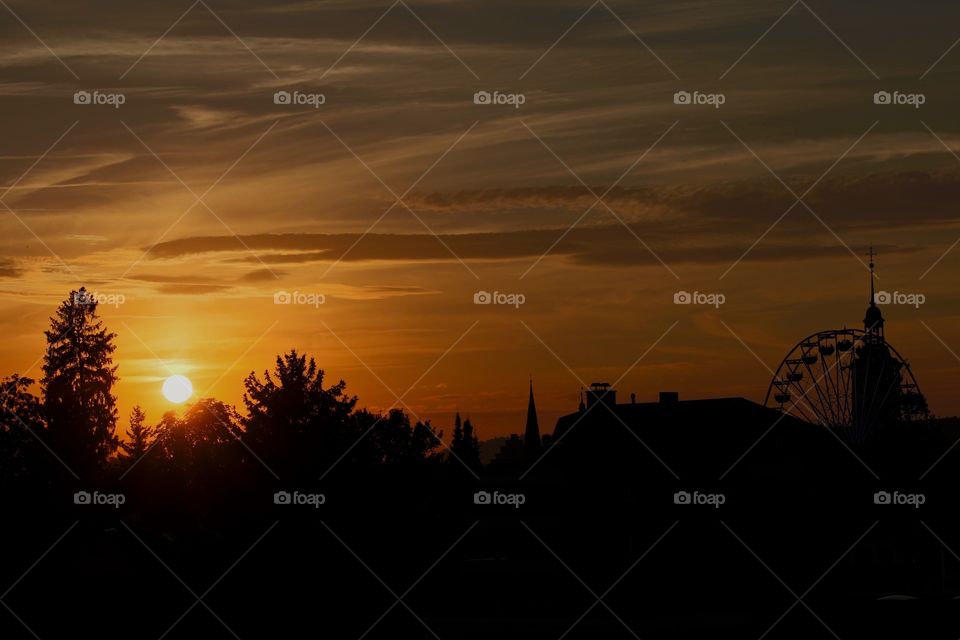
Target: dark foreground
x=419, y=559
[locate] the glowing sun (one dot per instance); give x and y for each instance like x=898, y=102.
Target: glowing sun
x=177, y=389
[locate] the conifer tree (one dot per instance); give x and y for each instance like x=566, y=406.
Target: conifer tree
x=465, y=446
x=141, y=435
x=78, y=379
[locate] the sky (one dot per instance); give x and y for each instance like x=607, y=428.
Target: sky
x=586, y=193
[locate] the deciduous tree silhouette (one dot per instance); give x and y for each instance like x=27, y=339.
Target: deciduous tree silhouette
x=201, y=438
x=198, y=459
x=21, y=423
x=78, y=379
x=395, y=441
x=292, y=420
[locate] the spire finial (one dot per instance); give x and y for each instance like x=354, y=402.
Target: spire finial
x=873, y=321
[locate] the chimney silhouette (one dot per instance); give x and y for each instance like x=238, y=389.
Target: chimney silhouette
x=669, y=397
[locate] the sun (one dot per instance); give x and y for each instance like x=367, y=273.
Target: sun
x=177, y=389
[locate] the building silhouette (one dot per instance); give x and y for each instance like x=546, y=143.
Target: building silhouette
x=850, y=381
x=878, y=394
x=637, y=446
x=512, y=454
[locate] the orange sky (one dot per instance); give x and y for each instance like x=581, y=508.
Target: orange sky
x=398, y=199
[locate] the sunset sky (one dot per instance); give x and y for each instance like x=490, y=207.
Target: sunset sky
x=399, y=198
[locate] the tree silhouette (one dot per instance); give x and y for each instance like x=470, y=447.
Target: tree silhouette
x=171, y=446
x=457, y=440
x=291, y=419
x=197, y=464
x=78, y=379
x=141, y=436
x=465, y=446
x=395, y=441
x=21, y=423
x=201, y=439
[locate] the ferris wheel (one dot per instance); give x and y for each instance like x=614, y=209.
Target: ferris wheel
x=848, y=379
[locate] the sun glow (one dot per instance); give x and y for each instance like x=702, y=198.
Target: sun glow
x=177, y=389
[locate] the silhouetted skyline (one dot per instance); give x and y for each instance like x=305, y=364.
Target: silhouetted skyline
x=479, y=319
x=296, y=191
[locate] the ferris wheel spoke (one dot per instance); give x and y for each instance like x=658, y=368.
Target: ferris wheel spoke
x=843, y=388
x=839, y=380
x=828, y=389
x=832, y=381
x=847, y=386
x=798, y=394
x=843, y=379
x=803, y=398
x=816, y=387
x=815, y=408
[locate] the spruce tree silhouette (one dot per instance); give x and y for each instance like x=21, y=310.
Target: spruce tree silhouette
x=471, y=445
x=78, y=379
x=141, y=436
x=465, y=446
x=457, y=441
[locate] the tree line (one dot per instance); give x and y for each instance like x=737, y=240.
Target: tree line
x=293, y=424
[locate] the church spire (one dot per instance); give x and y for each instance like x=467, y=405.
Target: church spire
x=873, y=320
x=531, y=438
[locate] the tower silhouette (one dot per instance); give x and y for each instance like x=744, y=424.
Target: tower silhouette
x=873, y=319
x=531, y=436
x=877, y=379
